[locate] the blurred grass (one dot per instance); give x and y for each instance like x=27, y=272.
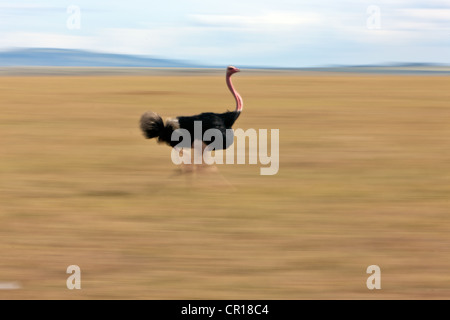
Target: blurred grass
x=364, y=179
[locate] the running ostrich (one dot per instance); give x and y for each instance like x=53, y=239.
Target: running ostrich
x=153, y=126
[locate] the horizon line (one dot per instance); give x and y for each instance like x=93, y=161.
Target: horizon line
x=196, y=65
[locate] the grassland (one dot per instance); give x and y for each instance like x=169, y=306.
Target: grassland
x=364, y=179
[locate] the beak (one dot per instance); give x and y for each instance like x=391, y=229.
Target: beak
x=238, y=70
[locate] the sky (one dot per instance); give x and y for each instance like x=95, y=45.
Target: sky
x=281, y=33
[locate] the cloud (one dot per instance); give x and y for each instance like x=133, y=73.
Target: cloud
x=429, y=15
x=21, y=6
x=45, y=40
x=266, y=20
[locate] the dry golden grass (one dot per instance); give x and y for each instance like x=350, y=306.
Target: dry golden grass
x=364, y=179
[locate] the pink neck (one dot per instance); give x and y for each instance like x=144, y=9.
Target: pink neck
x=237, y=97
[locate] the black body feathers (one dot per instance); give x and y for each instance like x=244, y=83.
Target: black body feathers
x=210, y=120
x=153, y=126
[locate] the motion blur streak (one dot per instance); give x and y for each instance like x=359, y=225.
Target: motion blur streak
x=364, y=179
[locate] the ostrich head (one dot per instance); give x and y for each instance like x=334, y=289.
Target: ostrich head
x=231, y=70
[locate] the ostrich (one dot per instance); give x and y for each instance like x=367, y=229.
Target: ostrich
x=153, y=126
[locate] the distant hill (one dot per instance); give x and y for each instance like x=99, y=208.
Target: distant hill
x=30, y=61
x=400, y=65
x=79, y=58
